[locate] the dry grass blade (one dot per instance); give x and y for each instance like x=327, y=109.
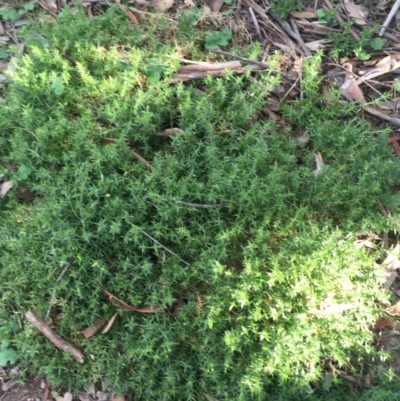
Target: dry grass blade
x=320, y=163
x=5, y=187
x=109, y=324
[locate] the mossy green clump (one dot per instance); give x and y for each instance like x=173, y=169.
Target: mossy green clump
x=247, y=275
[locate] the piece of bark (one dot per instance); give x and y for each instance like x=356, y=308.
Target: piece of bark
x=53, y=337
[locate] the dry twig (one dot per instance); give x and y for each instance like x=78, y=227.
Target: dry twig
x=53, y=337
x=389, y=18
x=53, y=295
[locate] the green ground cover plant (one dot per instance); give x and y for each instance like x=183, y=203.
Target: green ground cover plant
x=247, y=275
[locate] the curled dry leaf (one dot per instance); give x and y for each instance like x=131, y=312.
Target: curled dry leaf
x=357, y=13
x=5, y=187
x=215, y=5
x=162, y=5
x=320, y=164
x=90, y=331
x=383, y=323
x=394, y=310
x=361, y=243
x=304, y=14
x=350, y=89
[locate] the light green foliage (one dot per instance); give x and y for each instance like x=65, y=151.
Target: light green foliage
x=256, y=266
x=14, y=14
x=154, y=69
x=7, y=355
x=23, y=172
x=4, y=53
x=58, y=86
x=377, y=43
x=215, y=39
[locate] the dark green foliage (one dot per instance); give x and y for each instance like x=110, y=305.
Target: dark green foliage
x=257, y=266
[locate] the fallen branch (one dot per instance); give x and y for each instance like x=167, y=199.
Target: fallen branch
x=140, y=158
x=347, y=377
x=209, y=67
x=393, y=120
x=219, y=73
x=53, y=337
x=389, y=18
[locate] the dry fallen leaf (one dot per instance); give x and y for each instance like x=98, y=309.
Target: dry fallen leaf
x=49, y=5
x=364, y=243
x=162, y=5
x=109, y=324
x=26, y=194
x=382, y=322
x=350, y=89
x=67, y=396
x=394, y=310
x=5, y=187
x=304, y=138
x=170, y=132
x=122, y=398
x=84, y=396
x=383, y=66
x=391, y=264
x=215, y=5
x=356, y=12
x=209, y=398
x=332, y=309
x=320, y=163
x=318, y=44
x=90, y=331
x=304, y=14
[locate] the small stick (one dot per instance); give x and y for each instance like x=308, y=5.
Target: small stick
x=201, y=206
x=159, y=243
x=346, y=376
x=389, y=18
x=300, y=40
x=138, y=157
x=53, y=295
x=53, y=337
x=255, y=22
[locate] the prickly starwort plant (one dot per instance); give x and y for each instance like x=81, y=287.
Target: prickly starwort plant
x=222, y=227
